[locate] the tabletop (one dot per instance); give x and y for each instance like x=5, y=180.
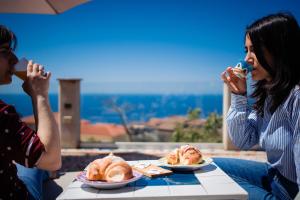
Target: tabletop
x=209, y=182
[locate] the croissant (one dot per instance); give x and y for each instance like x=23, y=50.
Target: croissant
x=118, y=171
x=93, y=172
x=186, y=155
x=110, y=168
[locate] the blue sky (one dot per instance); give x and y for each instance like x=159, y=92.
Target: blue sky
x=140, y=46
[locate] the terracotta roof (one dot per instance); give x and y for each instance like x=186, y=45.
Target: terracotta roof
x=102, y=129
x=196, y=122
x=87, y=128
x=154, y=122
x=170, y=123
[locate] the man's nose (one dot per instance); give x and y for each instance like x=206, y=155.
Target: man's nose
x=13, y=59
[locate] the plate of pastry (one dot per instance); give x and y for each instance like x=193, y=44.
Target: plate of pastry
x=185, y=158
x=110, y=172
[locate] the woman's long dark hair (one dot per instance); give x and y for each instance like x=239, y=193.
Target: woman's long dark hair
x=7, y=37
x=279, y=35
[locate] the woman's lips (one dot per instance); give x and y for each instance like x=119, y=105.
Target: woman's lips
x=253, y=72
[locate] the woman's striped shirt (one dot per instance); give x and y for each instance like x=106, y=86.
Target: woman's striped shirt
x=278, y=133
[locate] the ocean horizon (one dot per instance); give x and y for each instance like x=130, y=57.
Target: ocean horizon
x=138, y=108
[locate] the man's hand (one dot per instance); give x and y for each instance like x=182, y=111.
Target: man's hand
x=36, y=83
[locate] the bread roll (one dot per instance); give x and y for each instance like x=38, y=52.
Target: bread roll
x=189, y=155
x=185, y=155
x=110, y=168
x=173, y=157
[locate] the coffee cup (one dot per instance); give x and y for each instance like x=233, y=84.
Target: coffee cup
x=242, y=68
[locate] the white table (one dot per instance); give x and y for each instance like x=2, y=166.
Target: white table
x=210, y=182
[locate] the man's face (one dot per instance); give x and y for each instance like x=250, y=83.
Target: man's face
x=7, y=61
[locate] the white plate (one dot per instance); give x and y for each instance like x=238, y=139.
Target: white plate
x=105, y=185
x=180, y=167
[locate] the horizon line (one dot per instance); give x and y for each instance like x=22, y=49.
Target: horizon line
x=121, y=93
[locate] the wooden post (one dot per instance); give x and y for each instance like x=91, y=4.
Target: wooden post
x=69, y=112
x=226, y=104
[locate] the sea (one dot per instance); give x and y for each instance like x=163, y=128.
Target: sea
x=136, y=108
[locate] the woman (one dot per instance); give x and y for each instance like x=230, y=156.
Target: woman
x=272, y=48
x=18, y=143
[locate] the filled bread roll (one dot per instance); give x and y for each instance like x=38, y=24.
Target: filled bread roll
x=185, y=155
x=189, y=155
x=173, y=157
x=110, y=168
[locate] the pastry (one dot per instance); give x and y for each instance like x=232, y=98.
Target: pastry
x=185, y=155
x=173, y=157
x=110, y=168
x=189, y=155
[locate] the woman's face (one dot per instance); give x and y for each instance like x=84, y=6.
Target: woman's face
x=258, y=73
x=7, y=61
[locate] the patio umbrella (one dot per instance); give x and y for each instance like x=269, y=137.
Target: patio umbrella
x=38, y=6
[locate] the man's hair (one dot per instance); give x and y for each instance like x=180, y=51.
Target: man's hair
x=7, y=37
x=279, y=35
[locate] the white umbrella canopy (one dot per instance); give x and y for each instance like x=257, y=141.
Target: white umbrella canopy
x=38, y=6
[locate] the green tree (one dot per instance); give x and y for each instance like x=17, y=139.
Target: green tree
x=178, y=133
x=194, y=113
x=209, y=132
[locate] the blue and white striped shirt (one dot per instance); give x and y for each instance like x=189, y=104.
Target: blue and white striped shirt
x=278, y=133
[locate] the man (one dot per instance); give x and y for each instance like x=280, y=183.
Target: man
x=21, y=147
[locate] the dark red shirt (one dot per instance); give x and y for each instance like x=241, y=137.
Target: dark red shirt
x=20, y=144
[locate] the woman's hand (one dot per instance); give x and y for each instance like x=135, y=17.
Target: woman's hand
x=236, y=85
x=37, y=82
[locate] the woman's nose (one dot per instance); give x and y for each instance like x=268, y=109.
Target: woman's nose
x=248, y=59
